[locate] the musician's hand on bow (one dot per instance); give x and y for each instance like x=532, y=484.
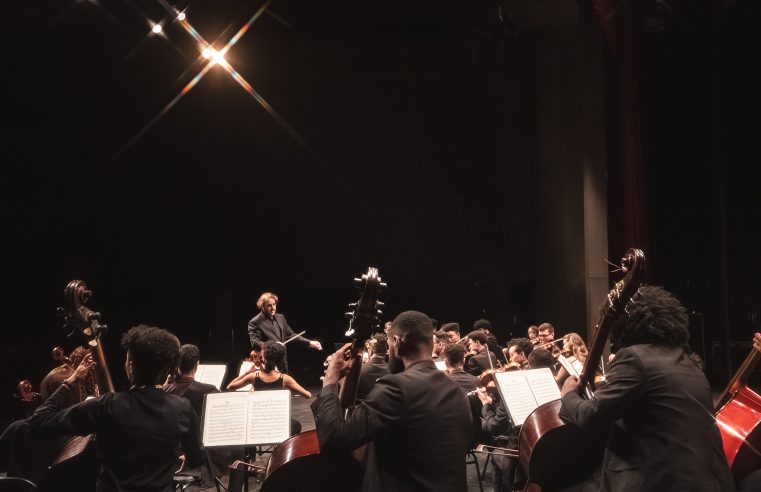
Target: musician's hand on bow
x=82, y=370
x=483, y=395
x=337, y=367
x=571, y=384
x=757, y=341
x=314, y=344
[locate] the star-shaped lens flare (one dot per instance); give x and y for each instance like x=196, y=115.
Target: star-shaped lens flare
x=216, y=58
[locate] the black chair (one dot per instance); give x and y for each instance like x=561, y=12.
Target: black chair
x=16, y=484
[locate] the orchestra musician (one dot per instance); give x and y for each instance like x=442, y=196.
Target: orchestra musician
x=375, y=368
x=454, y=331
x=478, y=362
x=184, y=381
x=400, y=416
x=575, y=351
x=454, y=357
x=271, y=325
x=139, y=432
x=656, y=406
x=491, y=340
x=533, y=334
x=518, y=350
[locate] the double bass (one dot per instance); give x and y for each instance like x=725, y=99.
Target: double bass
x=300, y=457
x=76, y=464
x=738, y=415
x=545, y=439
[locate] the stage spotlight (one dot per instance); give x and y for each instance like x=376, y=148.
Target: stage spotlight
x=156, y=29
x=181, y=16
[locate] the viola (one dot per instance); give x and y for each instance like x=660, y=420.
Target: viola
x=738, y=414
x=544, y=438
x=299, y=456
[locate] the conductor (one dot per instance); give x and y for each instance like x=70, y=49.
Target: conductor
x=269, y=325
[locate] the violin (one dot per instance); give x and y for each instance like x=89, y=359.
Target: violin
x=300, y=457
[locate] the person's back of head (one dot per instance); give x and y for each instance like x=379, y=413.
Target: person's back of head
x=539, y=358
x=272, y=355
x=454, y=355
x=152, y=353
x=652, y=316
x=415, y=332
x=381, y=344
x=483, y=324
x=189, y=357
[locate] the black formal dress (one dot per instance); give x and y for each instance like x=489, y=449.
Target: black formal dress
x=140, y=433
x=417, y=423
x=375, y=368
x=262, y=329
x=467, y=382
x=192, y=390
x=480, y=362
x=656, y=410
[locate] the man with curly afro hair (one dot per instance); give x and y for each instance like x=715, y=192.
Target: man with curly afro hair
x=655, y=409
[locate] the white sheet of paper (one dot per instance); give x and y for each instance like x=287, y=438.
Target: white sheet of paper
x=224, y=417
x=245, y=366
x=574, y=368
x=524, y=391
x=246, y=419
x=269, y=417
x=440, y=365
x=212, y=374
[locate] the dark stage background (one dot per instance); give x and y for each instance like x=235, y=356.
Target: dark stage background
x=444, y=145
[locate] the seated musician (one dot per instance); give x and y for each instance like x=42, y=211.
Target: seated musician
x=656, y=407
x=575, y=351
x=139, y=432
x=376, y=366
x=518, y=350
x=478, y=362
x=453, y=329
x=491, y=340
x=415, y=420
x=184, y=382
x=539, y=358
x=546, y=337
x=533, y=334
x=440, y=341
x=454, y=357
x=255, y=356
x=269, y=377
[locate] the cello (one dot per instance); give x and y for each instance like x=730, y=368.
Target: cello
x=545, y=438
x=738, y=415
x=76, y=464
x=300, y=456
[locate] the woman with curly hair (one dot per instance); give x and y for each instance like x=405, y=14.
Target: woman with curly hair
x=269, y=377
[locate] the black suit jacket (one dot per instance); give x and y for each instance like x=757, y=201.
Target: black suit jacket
x=192, y=390
x=467, y=382
x=657, y=412
x=419, y=426
x=374, y=369
x=480, y=362
x=263, y=329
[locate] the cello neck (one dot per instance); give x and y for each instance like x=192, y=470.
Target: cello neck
x=740, y=378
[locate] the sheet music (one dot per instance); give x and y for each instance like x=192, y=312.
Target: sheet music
x=224, y=419
x=574, y=367
x=245, y=366
x=524, y=391
x=212, y=374
x=269, y=417
x=440, y=365
x=246, y=419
